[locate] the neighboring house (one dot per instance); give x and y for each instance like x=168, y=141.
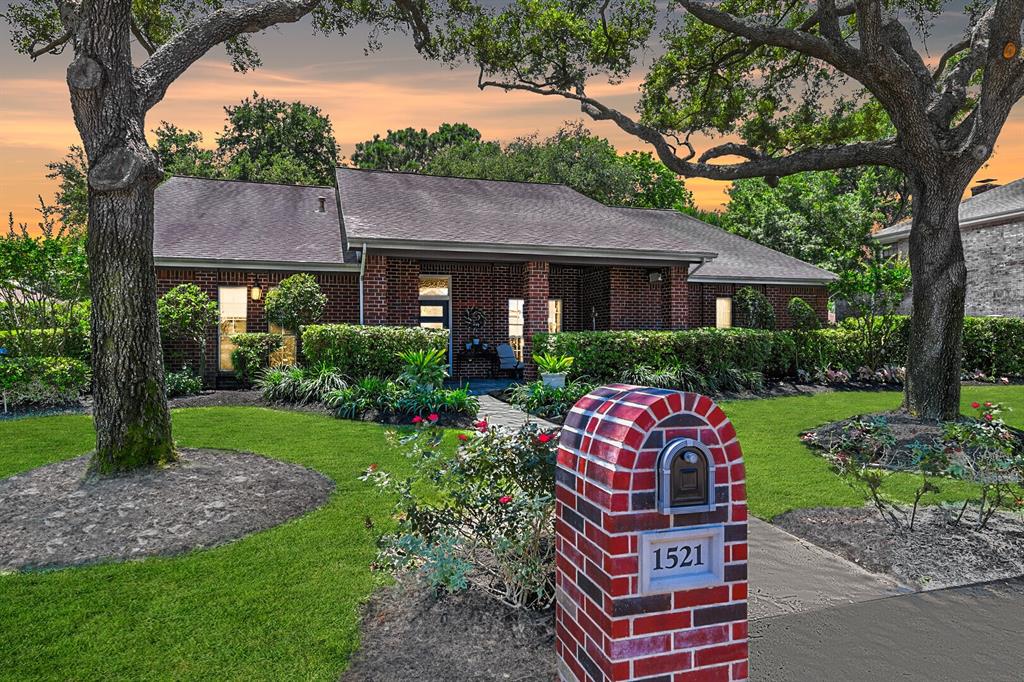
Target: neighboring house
x=992, y=231
x=495, y=262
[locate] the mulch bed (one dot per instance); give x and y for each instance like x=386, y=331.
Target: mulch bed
x=56, y=516
x=934, y=555
x=409, y=633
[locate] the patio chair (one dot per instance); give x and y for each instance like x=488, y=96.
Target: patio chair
x=507, y=360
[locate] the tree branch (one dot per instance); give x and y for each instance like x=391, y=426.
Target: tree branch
x=143, y=39
x=953, y=86
x=172, y=59
x=953, y=50
x=51, y=46
x=879, y=153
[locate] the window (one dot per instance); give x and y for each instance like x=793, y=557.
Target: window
x=285, y=355
x=233, y=302
x=554, y=315
x=434, y=286
x=515, y=325
x=723, y=312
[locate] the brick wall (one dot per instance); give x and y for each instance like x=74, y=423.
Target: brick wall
x=564, y=284
x=595, y=287
x=995, y=269
x=702, y=297
x=635, y=302
x=536, y=291
x=340, y=288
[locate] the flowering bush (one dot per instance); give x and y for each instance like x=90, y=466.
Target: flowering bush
x=482, y=515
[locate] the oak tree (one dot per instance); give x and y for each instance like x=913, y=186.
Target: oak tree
x=110, y=97
x=782, y=82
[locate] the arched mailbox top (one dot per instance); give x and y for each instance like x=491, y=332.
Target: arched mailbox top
x=686, y=477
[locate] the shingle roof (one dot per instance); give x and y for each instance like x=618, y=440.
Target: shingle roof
x=1003, y=200
x=533, y=217
x=223, y=220
x=738, y=259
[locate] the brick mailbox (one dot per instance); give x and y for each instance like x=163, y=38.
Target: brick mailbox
x=651, y=540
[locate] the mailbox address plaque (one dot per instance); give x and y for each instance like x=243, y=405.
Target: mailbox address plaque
x=681, y=559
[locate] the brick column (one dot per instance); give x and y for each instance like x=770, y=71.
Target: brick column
x=375, y=290
x=675, y=298
x=535, y=309
x=651, y=582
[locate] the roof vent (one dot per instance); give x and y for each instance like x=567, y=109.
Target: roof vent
x=984, y=186
x=323, y=205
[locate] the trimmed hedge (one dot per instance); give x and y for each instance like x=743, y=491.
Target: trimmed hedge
x=43, y=380
x=252, y=353
x=994, y=345
x=360, y=351
x=44, y=342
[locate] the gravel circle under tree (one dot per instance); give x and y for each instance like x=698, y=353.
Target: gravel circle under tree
x=936, y=554
x=409, y=633
x=55, y=516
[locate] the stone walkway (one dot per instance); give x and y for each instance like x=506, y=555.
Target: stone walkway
x=501, y=413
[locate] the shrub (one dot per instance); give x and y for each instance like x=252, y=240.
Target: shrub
x=252, y=354
x=424, y=367
x=71, y=341
x=292, y=384
x=359, y=351
x=296, y=302
x=185, y=382
x=874, y=288
x=802, y=315
x=43, y=380
x=753, y=309
x=542, y=400
x=483, y=515
x=186, y=312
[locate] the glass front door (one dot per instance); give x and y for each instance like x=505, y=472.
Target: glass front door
x=434, y=314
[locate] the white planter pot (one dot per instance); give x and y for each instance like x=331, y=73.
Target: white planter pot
x=553, y=380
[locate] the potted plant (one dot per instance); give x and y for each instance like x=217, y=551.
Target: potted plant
x=553, y=368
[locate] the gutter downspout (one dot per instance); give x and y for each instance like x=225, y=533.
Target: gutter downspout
x=689, y=274
x=362, y=272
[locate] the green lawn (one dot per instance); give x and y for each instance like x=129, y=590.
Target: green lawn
x=282, y=604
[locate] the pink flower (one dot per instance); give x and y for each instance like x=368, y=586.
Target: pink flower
x=463, y=437
x=544, y=437
x=988, y=417
x=988, y=404
x=433, y=416
x=505, y=499
x=417, y=419
x=975, y=404
x=481, y=425
x=373, y=467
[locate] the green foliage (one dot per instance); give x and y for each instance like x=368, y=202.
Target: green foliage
x=186, y=312
x=263, y=140
x=573, y=156
x=483, y=515
x=72, y=196
x=802, y=315
x=296, y=302
x=252, y=354
x=359, y=351
x=183, y=383
x=410, y=149
x=427, y=368
x=386, y=400
x=550, y=363
x=753, y=310
x=874, y=288
x=539, y=399
x=44, y=287
x=824, y=218
x=43, y=380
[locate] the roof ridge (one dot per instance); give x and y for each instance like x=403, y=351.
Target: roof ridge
x=250, y=182
x=456, y=177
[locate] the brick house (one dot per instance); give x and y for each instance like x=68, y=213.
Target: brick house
x=495, y=262
x=992, y=232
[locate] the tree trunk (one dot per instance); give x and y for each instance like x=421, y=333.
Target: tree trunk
x=939, y=286
x=133, y=425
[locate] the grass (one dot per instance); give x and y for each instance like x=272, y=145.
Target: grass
x=784, y=474
x=283, y=604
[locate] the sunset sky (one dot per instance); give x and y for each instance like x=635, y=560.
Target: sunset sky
x=363, y=95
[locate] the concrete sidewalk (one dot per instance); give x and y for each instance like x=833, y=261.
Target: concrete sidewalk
x=789, y=575
x=957, y=634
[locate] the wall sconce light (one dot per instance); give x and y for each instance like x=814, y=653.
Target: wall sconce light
x=256, y=293
x=655, y=277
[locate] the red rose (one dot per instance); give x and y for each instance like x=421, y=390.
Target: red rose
x=975, y=404
x=988, y=404
x=544, y=437
x=417, y=419
x=481, y=425
x=504, y=499
x=433, y=416
x=463, y=437
x=988, y=417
